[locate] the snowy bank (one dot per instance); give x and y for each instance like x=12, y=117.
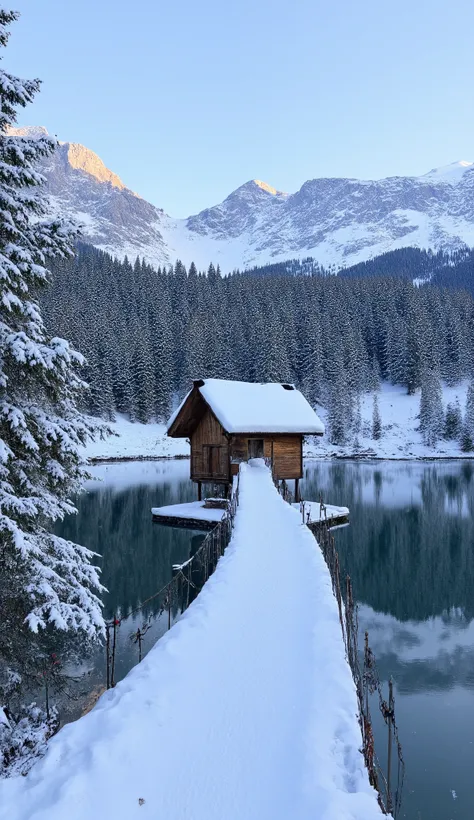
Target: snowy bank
x=134, y=441
x=245, y=710
x=401, y=438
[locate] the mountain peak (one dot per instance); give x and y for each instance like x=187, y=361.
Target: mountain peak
x=266, y=187
x=31, y=132
x=83, y=159
x=79, y=157
x=452, y=173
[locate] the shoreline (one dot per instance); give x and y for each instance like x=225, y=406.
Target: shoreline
x=95, y=460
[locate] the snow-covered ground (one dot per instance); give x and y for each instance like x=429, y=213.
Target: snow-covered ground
x=134, y=440
x=242, y=712
x=400, y=437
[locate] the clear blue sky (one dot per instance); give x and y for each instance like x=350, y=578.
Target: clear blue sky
x=188, y=99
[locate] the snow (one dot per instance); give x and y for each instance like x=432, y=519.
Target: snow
x=193, y=509
x=136, y=440
x=245, y=710
x=452, y=173
x=243, y=407
x=401, y=438
x=257, y=224
x=313, y=510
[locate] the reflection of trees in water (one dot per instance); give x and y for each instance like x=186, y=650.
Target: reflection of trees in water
x=437, y=674
x=137, y=555
x=413, y=561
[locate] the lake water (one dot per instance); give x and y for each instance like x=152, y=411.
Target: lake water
x=410, y=552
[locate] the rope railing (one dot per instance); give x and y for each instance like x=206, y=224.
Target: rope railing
x=367, y=682
x=175, y=596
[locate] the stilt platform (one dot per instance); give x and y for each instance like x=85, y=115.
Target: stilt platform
x=316, y=514
x=193, y=515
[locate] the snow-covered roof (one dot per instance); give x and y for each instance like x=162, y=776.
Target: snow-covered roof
x=245, y=407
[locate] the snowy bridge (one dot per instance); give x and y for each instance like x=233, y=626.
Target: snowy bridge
x=245, y=710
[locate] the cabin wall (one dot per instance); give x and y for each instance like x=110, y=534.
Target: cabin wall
x=209, y=451
x=288, y=457
x=286, y=453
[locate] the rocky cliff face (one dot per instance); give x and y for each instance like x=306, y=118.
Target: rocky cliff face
x=337, y=221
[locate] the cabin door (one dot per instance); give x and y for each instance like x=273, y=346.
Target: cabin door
x=214, y=461
x=255, y=447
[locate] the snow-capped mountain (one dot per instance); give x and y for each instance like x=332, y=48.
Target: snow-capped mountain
x=337, y=221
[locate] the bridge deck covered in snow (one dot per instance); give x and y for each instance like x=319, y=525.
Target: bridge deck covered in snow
x=245, y=710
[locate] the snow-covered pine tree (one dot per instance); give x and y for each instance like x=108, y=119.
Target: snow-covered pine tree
x=376, y=419
x=467, y=437
x=431, y=407
x=47, y=584
x=453, y=421
x=142, y=361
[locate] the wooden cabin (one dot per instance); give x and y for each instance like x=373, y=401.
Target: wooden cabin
x=228, y=422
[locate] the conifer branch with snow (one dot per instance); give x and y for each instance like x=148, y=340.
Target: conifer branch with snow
x=46, y=583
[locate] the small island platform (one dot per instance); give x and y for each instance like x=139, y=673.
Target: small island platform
x=192, y=515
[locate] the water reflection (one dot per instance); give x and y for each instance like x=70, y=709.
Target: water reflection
x=115, y=521
x=135, y=555
x=409, y=551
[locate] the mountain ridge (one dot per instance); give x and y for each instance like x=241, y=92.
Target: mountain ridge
x=339, y=221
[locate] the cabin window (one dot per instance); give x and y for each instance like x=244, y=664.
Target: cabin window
x=255, y=447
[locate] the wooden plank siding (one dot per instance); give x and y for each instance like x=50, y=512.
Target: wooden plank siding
x=287, y=457
x=209, y=451
x=286, y=452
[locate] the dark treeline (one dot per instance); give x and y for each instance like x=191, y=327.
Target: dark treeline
x=452, y=270
x=147, y=333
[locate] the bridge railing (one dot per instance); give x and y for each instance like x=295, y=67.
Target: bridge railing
x=388, y=780
x=172, y=599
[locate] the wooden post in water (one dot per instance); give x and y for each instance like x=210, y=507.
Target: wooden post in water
x=297, y=489
x=199, y=491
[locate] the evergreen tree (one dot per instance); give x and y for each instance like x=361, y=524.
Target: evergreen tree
x=376, y=420
x=469, y=412
x=144, y=389
x=431, y=408
x=453, y=421
x=47, y=585
x=467, y=438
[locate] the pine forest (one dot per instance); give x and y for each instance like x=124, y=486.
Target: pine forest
x=146, y=334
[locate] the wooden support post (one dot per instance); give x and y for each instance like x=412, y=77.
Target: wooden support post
x=297, y=489
x=107, y=649
x=389, y=751
x=199, y=491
